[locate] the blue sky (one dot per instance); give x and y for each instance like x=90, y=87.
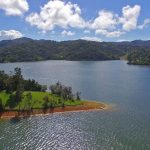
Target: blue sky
x=102, y=20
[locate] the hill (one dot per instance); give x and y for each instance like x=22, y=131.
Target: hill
x=139, y=57
x=25, y=49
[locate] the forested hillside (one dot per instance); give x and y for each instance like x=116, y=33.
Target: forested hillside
x=139, y=57
x=26, y=49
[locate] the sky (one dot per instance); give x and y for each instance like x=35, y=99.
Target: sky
x=61, y=20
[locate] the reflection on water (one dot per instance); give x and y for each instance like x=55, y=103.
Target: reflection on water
x=127, y=127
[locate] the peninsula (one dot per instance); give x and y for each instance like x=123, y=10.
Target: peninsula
x=21, y=98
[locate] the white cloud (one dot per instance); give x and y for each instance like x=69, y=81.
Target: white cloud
x=110, y=33
x=130, y=17
x=110, y=24
x=105, y=20
x=87, y=31
x=67, y=33
x=145, y=24
x=57, y=13
x=91, y=39
x=10, y=34
x=123, y=40
x=106, y=24
x=14, y=7
x=66, y=15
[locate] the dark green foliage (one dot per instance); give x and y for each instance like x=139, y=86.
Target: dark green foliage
x=64, y=92
x=49, y=102
x=15, y=81
x=18, y=85
x=26, y=49
x=11, y=82
x=52, y=102
x=3, y=79
x=139, y=57
x=56, y=89
x=35, y=50
x=15, y=84
x=1, y=106
x=46, y=102
x=19, y=93
x=28, y=100
x=32, y=85
x=11, y=103
x=44, y=88
x=78, y=96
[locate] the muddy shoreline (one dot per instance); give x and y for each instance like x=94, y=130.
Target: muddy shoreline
x=86, y=106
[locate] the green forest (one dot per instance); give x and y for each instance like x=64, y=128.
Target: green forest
x=19, y=94
x=25, y=49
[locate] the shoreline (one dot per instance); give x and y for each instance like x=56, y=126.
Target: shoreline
x=86, y=106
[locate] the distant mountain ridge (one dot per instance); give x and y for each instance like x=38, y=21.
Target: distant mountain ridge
x=26, y=49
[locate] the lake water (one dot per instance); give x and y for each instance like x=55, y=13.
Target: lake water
x=125, y=127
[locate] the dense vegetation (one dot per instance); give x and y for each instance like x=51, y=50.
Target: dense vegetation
x=16, y=93
x=33, y=50
x=25, y=49
x=139, y=57
x=14, y=81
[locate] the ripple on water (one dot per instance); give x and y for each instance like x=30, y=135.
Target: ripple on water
x=125, y=128
x=73, y=131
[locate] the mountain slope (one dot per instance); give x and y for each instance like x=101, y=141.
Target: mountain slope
x=33, y=50
x=26, y=49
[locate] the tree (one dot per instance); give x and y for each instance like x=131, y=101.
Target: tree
x=1, y=105
x=46, y=102
x=56, y=89
x=32, y=85
x=52, y=102
x=11, y=102
x=3, y=78
x=78, y=96
x=28, y=101
x=44, y=88
x=18, y=85
x=17, y=78
x=19, y=93
x=14, y=81
x=62, y=91
x=10, y=84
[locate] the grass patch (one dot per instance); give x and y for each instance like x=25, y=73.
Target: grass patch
x=4, y=96
x=37, y=100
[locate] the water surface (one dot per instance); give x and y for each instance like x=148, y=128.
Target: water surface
x=126, y=127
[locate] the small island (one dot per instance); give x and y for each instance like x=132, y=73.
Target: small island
x=21, y=98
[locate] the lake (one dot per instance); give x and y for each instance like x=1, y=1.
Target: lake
x=125, y=127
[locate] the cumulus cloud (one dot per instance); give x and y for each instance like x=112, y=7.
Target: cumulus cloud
x=57, y=13
x=67, y=33
x=130, y=17
x=10, y=34
x=110, y=33
x=105, y=20
x=14, y=7
x=110, y=24
x=145, y=24
x=106, y=24
x=91, y=39
x=66, y=15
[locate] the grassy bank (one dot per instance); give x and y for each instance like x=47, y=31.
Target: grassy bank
x=37, y=101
